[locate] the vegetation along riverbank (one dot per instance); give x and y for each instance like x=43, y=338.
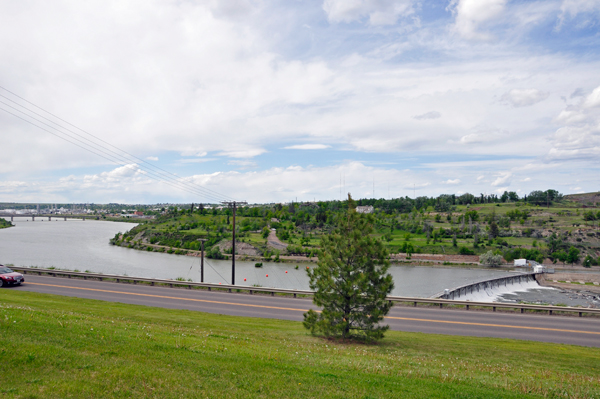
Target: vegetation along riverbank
x=542, y=226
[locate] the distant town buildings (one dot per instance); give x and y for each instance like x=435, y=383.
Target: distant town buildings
x=364, y=209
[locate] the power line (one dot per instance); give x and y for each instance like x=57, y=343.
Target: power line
x=180, y=187
x=121, y=157
x=95, y=148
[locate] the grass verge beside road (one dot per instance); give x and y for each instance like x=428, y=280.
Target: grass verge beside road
x=54, y=346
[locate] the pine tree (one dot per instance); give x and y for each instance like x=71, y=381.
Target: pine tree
x=350, y=281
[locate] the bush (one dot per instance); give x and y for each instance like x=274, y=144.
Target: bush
x=214, y=253
x=465, y=251
x=491, y=259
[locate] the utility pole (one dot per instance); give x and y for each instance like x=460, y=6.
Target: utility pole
x=234, y=205
x=202, y=259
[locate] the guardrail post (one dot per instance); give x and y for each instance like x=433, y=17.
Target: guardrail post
x=134, y=281
x=209, y=288
x=467, y=307
x=522, y=310
x=251, y=292
x=272, y=293
x=494, y=308
x=189, y=287
x=390, y=301
x=550, y=312
x=441, y=304
x=69, y=276
x=171, y=285
x=152, y=283
x=580, y=314
x=118, y=280
x=415, y=304
x=229, y=290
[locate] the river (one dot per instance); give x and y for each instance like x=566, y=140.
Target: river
x=83, y=245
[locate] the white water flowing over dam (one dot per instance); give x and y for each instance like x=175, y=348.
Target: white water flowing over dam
x=491, y=290
x=493, y=294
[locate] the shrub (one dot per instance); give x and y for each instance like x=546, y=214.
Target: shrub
x=491, y=259
x=465, y=251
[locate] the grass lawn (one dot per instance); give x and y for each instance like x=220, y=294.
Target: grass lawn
x=61, y=347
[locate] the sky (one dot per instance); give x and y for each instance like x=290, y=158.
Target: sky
x=275, y=101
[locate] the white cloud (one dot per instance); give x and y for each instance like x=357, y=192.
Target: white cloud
x=579, y=137
x=472, y=14
x=593, y=100
x=428, y=115
x=379, y=12
x=233, y=79
x=502, y=180
x=524, y=97
x=152, y=159
x=243, y=164
x=307, y=147
x=243, y=153
x=452, y=181
x=573, y=8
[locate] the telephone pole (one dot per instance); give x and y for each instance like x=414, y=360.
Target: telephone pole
x=202, y=260
x=234, y=205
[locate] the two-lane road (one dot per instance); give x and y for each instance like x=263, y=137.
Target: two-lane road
x=535, y=327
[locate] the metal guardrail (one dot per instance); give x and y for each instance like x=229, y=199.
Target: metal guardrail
x=273, y=291
x=154, y=281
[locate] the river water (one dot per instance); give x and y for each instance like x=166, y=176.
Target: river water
x=83, y=245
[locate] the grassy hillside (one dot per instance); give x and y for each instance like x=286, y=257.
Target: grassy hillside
x=60, y=347
x=512, y=229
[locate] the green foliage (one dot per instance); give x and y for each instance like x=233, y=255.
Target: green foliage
x=265, y=232
x=407, y=248
x=494, y=230
x=491, y=259
x=589, y=215
x=214, y=253
x=465, y=251
x=517, y=214
x=573, y=255
x=523, y=253
x=350, y=282
x=472, y=214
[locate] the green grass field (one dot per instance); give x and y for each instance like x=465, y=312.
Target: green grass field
x=61, y=347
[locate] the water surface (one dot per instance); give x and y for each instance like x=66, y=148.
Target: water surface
x=84, y=245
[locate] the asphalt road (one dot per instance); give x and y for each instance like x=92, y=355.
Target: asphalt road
x=583, y=331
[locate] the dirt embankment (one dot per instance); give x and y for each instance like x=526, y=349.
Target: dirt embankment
x=576, y=281
x=274, y=242
x=585, y=199
x=438, y=258
x=241, y=248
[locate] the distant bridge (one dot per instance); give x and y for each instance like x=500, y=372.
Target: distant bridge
x=47, y=215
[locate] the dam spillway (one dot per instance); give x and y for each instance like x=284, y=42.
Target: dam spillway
x=488, y=290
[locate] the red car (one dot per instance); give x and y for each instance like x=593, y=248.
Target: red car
x=8, y=277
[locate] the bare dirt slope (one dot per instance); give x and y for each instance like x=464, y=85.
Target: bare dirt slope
x=274, y=242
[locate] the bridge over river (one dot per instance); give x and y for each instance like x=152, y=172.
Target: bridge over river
x=47, y=215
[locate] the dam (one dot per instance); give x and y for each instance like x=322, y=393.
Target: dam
x=488, y=290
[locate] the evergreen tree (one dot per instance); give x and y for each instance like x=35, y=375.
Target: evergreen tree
x=350, y=281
